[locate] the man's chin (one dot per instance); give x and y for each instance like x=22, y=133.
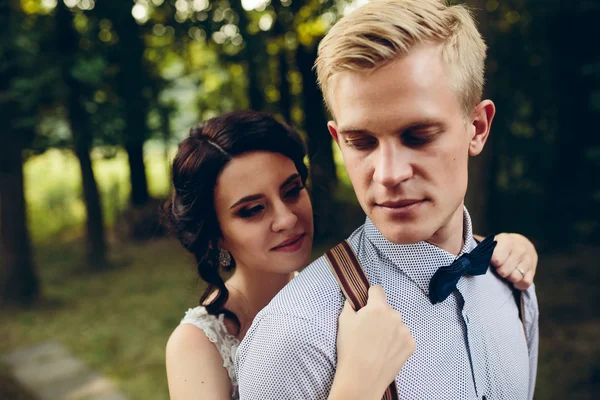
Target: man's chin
x=405, y=236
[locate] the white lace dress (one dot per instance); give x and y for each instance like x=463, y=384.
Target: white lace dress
x=215, y=330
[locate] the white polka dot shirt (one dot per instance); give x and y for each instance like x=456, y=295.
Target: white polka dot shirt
x=470, y=346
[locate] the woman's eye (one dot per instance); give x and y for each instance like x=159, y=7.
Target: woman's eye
x=294, y=192
x=251, y=211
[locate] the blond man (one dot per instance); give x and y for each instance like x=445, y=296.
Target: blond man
x=403, y=80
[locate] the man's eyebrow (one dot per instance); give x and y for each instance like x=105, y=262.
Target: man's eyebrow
x=254, y=197
x=415, y=125
x=423, y=125
x=354, y=131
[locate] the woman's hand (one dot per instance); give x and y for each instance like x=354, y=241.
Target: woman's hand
x=515, y=259
x=372, y=346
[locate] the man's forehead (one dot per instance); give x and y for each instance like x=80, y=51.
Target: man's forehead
x=389, y=102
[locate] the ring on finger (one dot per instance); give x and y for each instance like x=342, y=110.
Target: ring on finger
x=521, y=272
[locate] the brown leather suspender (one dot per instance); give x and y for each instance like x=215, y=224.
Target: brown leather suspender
x=354, y=284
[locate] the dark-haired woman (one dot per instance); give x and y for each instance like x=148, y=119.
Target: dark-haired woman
x=239, y=204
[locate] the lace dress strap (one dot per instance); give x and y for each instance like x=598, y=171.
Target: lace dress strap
x=215, y=330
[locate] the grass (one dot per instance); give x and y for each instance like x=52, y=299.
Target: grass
x=116, y=321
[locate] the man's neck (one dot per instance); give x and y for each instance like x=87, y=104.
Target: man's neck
x=450, y=237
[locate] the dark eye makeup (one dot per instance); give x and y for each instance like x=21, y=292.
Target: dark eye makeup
x=254, y=210
x=249, y=212
x=294, y=191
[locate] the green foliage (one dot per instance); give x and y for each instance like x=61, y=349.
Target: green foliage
x=53, y=187
x=90, y=71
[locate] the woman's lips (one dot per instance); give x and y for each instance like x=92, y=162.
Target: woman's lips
x=290, y=245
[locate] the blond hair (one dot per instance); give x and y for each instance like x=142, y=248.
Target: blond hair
x=382, y=30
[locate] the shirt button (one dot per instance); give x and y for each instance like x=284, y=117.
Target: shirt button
x=467, y=321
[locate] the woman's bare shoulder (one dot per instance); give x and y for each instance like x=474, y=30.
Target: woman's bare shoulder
x=195, y=366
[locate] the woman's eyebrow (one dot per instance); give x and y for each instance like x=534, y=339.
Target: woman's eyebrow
x=246, y=199
x=291, y=178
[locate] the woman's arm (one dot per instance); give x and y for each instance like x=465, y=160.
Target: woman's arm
x=195, y=367
x=372, y=346
x=515, y=259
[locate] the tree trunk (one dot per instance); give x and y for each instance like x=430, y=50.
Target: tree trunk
x=285, y=97
x=131, y=83
x=79, y=120
x=18, y=280
x=96, y=242
x=320, y=153
x=252, y=54
x=137, y=169
x=136, y=109
x=19, y=283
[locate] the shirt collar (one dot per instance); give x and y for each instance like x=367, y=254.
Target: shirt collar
x=419, y=261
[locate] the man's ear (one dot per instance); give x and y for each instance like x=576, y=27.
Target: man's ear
x=332, y=127
x=481, y=123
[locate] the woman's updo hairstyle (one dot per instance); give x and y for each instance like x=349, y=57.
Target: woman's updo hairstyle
x=190, y=212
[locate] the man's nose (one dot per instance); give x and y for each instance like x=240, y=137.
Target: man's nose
x=392, y=165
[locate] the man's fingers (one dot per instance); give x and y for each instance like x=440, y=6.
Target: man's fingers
x=346, y=313
x=347, y=308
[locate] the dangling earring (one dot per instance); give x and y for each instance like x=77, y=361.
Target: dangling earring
x=224, y=258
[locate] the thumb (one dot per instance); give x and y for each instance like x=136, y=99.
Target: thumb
x=348, y=306
x=376, y=295
x=347, y=310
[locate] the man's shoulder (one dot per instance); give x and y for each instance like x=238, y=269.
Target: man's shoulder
x=309, y=296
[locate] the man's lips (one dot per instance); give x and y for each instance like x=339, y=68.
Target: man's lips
x=399, y=203
x=288, y=242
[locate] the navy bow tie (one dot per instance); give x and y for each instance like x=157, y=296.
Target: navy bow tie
x=476, y=262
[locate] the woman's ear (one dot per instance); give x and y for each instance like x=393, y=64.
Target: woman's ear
x=220, y=243
x=480, y=125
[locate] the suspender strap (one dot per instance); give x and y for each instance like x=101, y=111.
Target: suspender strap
x=354, y=284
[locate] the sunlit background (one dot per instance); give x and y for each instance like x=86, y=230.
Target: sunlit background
x=95, y=96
